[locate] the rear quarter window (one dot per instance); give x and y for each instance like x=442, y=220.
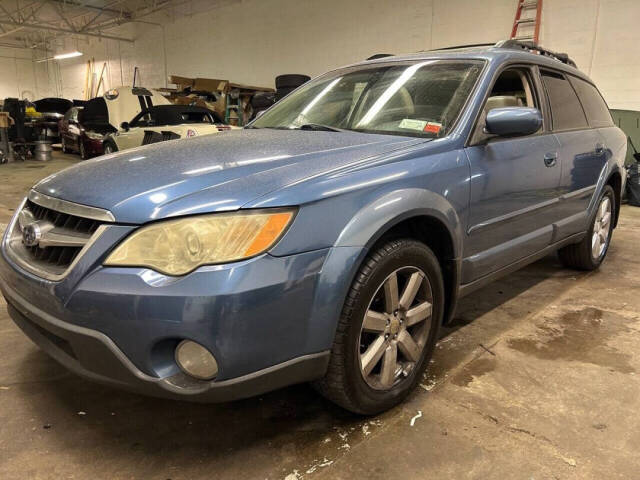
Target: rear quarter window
x=594, y=105
x=566, y=110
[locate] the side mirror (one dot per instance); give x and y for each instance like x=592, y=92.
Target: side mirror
x=125, y=126
x=513, y=121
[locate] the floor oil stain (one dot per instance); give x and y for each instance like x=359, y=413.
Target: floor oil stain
x=580, y=336
x=473, y=370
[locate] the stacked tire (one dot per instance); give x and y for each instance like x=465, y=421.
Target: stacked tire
x=285, y=84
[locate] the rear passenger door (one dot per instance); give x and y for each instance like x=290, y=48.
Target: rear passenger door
x=514, y=182
x=582, y=151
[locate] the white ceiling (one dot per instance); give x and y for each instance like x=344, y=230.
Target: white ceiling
x=36, y=23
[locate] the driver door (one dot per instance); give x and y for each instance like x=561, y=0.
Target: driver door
x=514, y=182
x=133, y=137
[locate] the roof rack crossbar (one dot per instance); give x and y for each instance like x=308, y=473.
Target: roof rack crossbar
x=533, y=47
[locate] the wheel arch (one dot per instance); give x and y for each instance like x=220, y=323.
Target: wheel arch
x=615, y=180
x=419, y=214
x=110, y=140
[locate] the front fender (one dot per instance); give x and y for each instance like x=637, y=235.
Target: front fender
x=353, y=244
x=374, y=219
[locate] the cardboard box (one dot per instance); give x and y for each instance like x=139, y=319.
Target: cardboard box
x=181, y=82
x=249, y=88
x=211, y=85
x=5, y=120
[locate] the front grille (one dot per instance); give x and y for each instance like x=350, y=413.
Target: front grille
x=47, y=241
x=59, y=257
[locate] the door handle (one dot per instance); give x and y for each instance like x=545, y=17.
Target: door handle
x=599, y=148
x=550, y=159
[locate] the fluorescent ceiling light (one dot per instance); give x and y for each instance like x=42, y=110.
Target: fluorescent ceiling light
x=62, y=56
x=67, y=55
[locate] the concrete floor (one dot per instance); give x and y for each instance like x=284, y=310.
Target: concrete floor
x=537, y=380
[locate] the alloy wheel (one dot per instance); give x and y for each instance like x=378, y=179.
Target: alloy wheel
x=601, y=228
x=395, y=328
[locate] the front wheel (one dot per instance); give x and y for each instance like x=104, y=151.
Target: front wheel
x=83, y=151
x=109, y=147
x=387, y=330
x=591, y=251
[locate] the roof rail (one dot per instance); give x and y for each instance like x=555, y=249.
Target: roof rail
x=459, y=47
x=380, y=55
x=534, y=48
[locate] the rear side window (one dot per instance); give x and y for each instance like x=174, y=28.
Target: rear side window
x=593, y=103
x=566, y=110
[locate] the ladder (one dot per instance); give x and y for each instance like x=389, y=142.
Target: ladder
x=527, y=21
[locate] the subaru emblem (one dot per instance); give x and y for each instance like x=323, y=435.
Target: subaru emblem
x=31, y=234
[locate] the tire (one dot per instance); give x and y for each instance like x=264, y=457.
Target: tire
x=82, y=150
x=291, y=80
x=584, y=255
x=283, y=92
x=109, y=147
x=263, y=100
x=350, y=381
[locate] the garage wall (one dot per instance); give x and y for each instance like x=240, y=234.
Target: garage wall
x=17, y=74
x=251, y=41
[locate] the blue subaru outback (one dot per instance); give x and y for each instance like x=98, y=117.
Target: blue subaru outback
x=329, y=240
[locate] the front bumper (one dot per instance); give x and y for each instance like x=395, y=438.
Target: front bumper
x=93, y=146
x=94, y=356
x=266, y=320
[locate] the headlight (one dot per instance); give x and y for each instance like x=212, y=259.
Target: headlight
x=94, y=136
x=176, y=247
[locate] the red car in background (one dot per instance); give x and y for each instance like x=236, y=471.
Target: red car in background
x=82, y=129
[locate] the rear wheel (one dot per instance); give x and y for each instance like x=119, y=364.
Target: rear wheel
x=387, y=329
x=592, y=250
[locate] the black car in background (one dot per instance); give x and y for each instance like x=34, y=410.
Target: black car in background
x=52, y=110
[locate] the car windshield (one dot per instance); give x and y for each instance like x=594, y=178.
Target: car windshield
x=414, y=99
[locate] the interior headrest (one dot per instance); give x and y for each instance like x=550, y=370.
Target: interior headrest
x=501, y=101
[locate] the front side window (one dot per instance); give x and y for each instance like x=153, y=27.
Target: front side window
x=566, y=110
x=593, y=103
x=412, y=99
x=513, y=88
x=142, y=120
x=195, y=117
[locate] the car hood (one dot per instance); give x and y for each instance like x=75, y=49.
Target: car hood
x=210, y=173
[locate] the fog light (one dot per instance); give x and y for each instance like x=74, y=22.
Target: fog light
x=196, y=361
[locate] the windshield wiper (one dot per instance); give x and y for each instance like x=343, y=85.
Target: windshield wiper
x=316, y=127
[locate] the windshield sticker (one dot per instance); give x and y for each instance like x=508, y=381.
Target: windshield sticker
x=433, y=127
x=412, y=124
